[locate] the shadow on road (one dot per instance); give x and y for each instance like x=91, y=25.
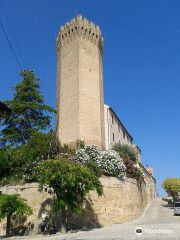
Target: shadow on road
x=168, y=205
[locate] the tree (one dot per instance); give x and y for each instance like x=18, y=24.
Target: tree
x=4, y=160
x=125, y=151
x=41, y=145
x=11, y=160
x=12, y=205
x=69, y=182
x=28, y=111
x=20, y=161
x=16, y=158
x=39, y=148
x=172, y=186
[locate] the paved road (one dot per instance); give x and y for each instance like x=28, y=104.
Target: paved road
x=157, y=222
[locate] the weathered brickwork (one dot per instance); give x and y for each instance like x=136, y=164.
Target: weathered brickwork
x=79, y=96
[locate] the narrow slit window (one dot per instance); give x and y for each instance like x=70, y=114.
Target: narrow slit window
x=112, y=119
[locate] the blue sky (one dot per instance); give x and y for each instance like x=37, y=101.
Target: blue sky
x=141, y=65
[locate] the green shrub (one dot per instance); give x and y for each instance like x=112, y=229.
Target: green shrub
x=125, y=151
x=80, y=144
x=94, y=167
x=140, y=164
x=14, y=179
x=137, y=174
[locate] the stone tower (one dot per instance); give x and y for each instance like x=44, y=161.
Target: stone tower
x=79, y=94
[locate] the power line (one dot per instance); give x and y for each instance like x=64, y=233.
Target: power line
x=10, y=46
x=13, y=33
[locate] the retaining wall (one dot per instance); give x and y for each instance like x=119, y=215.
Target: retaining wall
x=122, y=201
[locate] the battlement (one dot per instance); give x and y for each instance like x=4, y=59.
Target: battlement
x=149, y=169
x=81, y=28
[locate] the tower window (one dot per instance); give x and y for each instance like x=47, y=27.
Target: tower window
x=123, y=134
x=113, y=137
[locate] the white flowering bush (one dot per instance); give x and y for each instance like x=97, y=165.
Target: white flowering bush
x=111, y=164
x=109, y=161
x=92, y=152
x=81, y=156
x=88, y=153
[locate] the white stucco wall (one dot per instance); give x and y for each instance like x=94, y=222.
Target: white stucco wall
x=114, y=127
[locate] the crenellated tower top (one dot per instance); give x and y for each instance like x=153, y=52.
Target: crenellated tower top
x=82, y=28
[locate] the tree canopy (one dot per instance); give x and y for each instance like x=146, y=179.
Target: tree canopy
x=70, y=182
x=172, y=186
x=38, y=147
x=28, y=111
x=12, y=205
x=17, y=163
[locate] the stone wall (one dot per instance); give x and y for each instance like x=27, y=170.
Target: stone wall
x=150, y=183
x=79, y=90
x=122, y=201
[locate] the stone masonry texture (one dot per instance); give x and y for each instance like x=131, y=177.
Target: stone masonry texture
x=122, y=201
x=79, y=94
